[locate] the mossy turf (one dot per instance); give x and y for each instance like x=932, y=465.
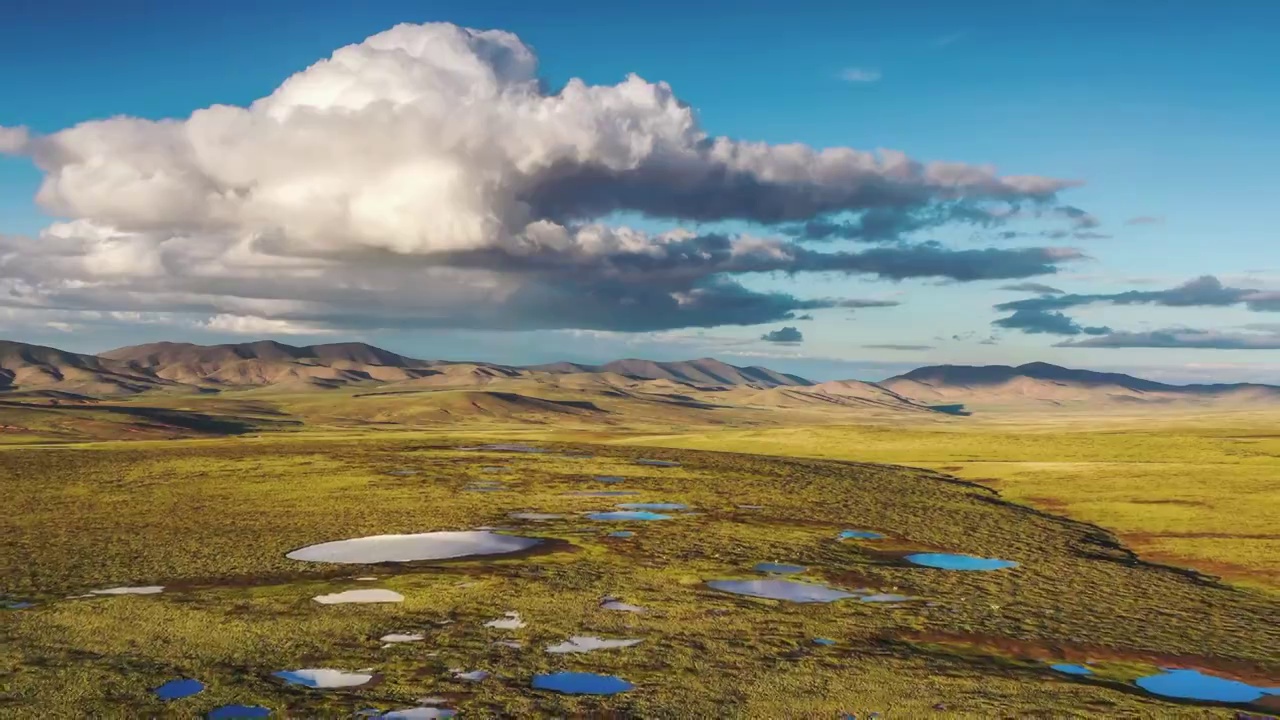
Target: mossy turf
x=212, y=521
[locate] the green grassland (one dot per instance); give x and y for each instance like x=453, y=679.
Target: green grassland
x=1199, y=491
x=212, y=519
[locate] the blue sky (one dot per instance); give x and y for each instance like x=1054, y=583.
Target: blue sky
x=1162, y=110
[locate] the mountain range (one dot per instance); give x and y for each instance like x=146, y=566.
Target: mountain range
x=186, y=368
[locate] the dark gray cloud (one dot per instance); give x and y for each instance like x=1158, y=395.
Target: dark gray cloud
x=1033, y=287
x=788, y=335
x=1184, y=338
x=1204, y=291
x=887, y=224
x=897, y=346
x=1044, y=322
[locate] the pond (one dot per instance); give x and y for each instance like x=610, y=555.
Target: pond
x=657, y=463
x=954, y=561
x=611, y=603
x=443, y=545
x=324, y=678
x=621, y=534
x=1071, y=669
x=179, y=688
x=510, y=621
x=860, y=535
x=778, y=568
x=617, y=515
x=139, y=590
x=609, y=479
x=789, y=590
x=1195, y=685
x=419, y=713
x=576, y=683
x=359, y=596
x=588, y=643
x=885, y=598
x=402, y=638
x=238, y=712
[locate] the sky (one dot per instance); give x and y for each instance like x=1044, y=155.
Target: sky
x=833, y=189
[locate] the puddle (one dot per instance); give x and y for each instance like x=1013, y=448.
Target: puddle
x=512, y=621
x=419, y=713
x=627, y=515
x=778, y=568
x=621, y=534
x=472, y=676
x=750, y=507
x=860, y=535
x=359, y=596
x=825, y=642
x=238, y=712
x=653, y=506
x=140, y=590
x=950, y=561
x=609, y=479
x=657, y=463
x=324, y=678
x=603, y=493
x=534, y=516
x=1195, y=685
x=1071, y=669
x=445, y=545
x=588, y=643
x=178, y=689
x=781, y=590
x=15, y=604
x=574, y=683
x=402, y=638
x=617, y=605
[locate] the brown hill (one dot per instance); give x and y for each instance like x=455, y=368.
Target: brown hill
x=269, y=363
x=1045, y=384
x=704, y=371
x=63, y=375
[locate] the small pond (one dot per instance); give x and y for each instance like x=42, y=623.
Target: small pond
x=1195, y=685
x=621, y=534
x=789, y=590
x=1071, y=669
x=576, y=683
x=179, y=688
x=616, y=515
x=372, y=595
x=778, y=568
x=860, y=535
x=419, y=713
x=444, y=545
x=588, y=643
x=238, y=712
x=609, y=479
x=324, y=678
x=657, y=463
x=954, y=561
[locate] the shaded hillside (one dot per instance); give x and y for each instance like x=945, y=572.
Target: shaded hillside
x=66, y=375
x=704, y=371
x=1043, y=383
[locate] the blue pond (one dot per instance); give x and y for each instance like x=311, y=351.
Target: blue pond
x=826, y=642
x=778, y=568
x=1070, y=669
x=238, y=712
x=628, y=515
x=1195, y=685
x=780, y=590
x=180, y=688
x=609, y=479
x=949, y=561
x=573, y=683
x=15, y=604
x=860, y=535
x=621, y=534
x=653, y=506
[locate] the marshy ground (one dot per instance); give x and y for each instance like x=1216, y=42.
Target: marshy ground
x=212, y=521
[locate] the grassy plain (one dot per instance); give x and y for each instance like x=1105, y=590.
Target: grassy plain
x=1196, y=490
x=212, y=520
